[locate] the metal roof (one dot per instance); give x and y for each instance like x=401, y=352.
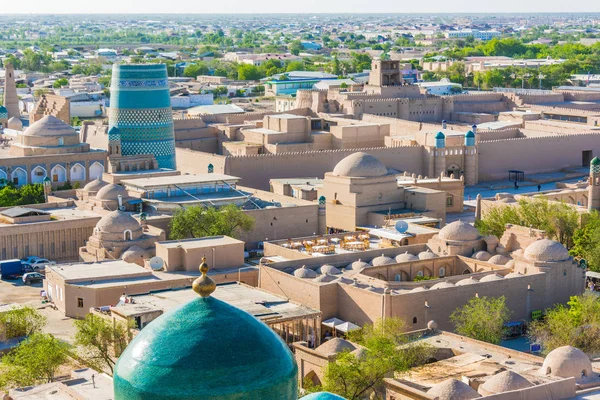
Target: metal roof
x=16, y=212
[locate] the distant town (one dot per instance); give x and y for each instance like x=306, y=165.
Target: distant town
x=315, y=207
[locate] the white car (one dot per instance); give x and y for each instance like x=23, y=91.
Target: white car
x=39, y=264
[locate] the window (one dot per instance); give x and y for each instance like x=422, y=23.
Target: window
x=127, y=235
x=449, y=201
x=442, y=272
x=420, y=273
x=414, y=320
x=79, y=302
x=398, y=278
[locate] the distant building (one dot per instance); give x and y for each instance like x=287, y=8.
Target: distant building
x=441, y=88
x=480, y=35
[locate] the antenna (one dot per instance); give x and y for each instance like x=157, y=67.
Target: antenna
x=156, y=263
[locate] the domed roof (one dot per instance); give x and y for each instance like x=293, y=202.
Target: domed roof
x=491, y=278
x=504, y=382
x=567, y=362
x=14, y=123
x=426, y=255
x=467, y=281
x=513, y=275
x=360, y=165
x=470, y=134
x=499, y=259
x=442, y=285
x=94, y=185
x=382, y=260
x=334, y=346
x=510, y=264
x=222, y=353
x=459, y=231
x=325, y=278
x=418, y=289
x=595, y=161
x=328, y=269
x=357, y=265
x=452, y=389
x=111, y=192
x=3, y=110
x=440, y=135
x=322, y=396
x=482, y=255
x=50, y=126
x=406, y=257
x=546, y=250
x=118, y=222
x=304, y=272
x=135, y=255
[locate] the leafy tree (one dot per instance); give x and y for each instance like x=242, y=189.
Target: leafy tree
x=586, y=241
x=26, y=194
x=198, y=221
x=387, y=350
x=62, y=82
x=36, y=360
x=102, y=341
x=295, y=66
x=296, y=47
x=482, y=318
x=220, y=91
x=193, y=70
x=247, y=72
x=19, y=322
x=577, y=325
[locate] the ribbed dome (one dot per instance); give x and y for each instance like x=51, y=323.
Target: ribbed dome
x=14, y=123
x=442, y=285
x=504, y=382
x=111, y=192
x=451, y=389
x=567, y=362
x=427, y=255
x=118, y=222
x=50, y=126
x=482, y=255
x=406, y=257
x=322, y=396
x=304, y=272
x=459, y=231
x=94, y=185
x=360, y=165
x=382, y=260
x=328, y=269
x=491, y=278
x=467, y=281
x=357, y=265
x=206, y=350
x=499, y=259
x=546, y=250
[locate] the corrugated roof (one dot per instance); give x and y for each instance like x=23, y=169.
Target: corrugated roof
x=16, y=212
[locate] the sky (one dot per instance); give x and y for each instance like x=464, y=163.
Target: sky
x=292, y=6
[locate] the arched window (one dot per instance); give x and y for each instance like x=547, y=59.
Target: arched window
x=19, y=176
x=61, y=141
x=58, y=173
x=96, y=170
x=77, y=172
x=398, y=278
x=548, y=371
x=38, y=174
x=127, y=235
x=442, y=272
x=414, y=320
x=420, y=273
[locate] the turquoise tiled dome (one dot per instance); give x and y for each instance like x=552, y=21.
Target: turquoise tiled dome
x=206, y=350
x=322, y=396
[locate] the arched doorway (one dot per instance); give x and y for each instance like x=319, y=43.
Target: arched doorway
x=453, y=169
x=311, y=379
x=19, y=176
x=3, y=175
x=77, y=172
x=38, y=174
x=58, y=173
x=96, y=170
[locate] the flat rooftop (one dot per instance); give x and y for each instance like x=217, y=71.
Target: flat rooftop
x=200, y=242
x=163, y=181
x=287, y=116
x=262, y=305
x=103, y=270
x=58, y=214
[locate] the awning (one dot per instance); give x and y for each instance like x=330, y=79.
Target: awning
x=332, y=322
x=340, y=325
x=389, y=234
x=592, y=274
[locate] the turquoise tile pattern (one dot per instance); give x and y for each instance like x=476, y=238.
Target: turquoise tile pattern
x=141, y=111
x=206, y=350
x=322, y=396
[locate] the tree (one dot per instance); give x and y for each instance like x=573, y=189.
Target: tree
x=19, y=322
x=194, y=70
x=586, y=241
x=358, y=377
x=247, y=72
x=101, y=340
x=220, y=91
x=36, y=360
x=296, y=47
x=198, y=221
x=482, y=318
x=577, y=325
x=26, y=194
x=62, y=82
x=295, y=66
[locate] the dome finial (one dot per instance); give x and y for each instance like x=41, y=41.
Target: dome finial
x=204, y=285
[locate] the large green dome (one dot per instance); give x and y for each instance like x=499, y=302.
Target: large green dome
x=206, y=350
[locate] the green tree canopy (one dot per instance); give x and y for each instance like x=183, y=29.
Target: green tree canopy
x=62, y=82
x=26, y=194
x=198, y=221
x=19, y=322
x=247, y=72
x=194, y=70
x=586, y=241
x=482, y=318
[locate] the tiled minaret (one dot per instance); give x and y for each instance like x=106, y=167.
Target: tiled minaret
x=594, y=187
x=11, y=100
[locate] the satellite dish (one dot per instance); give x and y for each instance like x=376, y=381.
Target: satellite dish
x=401, y=226
x=156, y=263
x=121, y=208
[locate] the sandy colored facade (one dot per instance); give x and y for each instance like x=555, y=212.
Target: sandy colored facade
x=186, y=255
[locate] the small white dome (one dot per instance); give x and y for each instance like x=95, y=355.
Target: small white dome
x=328, y=269
x=357, y=265
x=360, y=165
x=567, y=362
x=49, y=125
x=14, y=123
x=118, y=222
x=406, y=257
x=482, y=255
x=304, y=272
x=442, y=285
x=491, y=278
x=418, y=289
x=546, y=250
x=111, y=192
x=325, y=278
x=452, y=389
x=504, y=382
x=94, y=185
x=382, y=260
x=513, y=275
x=459, y=231
x=427, y=255
x=510, y=264
x=467, y=281
x=499, y=259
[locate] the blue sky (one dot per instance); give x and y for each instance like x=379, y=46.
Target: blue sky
x=283, y=6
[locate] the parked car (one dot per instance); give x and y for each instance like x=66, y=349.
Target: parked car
x=32, y=277
x=39, y=264
x=30, y=259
